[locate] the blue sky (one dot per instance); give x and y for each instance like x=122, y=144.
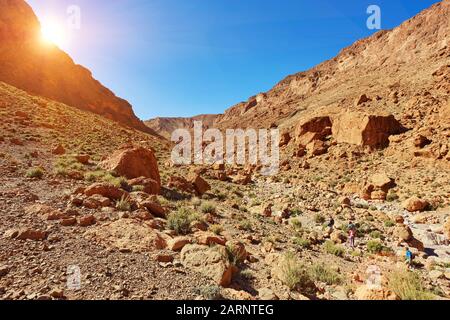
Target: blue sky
x=188, y=57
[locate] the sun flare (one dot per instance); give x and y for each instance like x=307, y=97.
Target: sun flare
x=53, y=33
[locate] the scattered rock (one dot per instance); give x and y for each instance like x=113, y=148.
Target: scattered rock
x=210, y=261
x=68, y=222
x=87, y=220
x=267, y=294
x=209, y=238
x=151, y=186
x=366, y=292
x=365, y=129
x=106, y=190
x=178, y=243
x=415, y=204
x=133, y=163
x=200, y=184
x=59, y=150
x=83, y=158
x=128, y=235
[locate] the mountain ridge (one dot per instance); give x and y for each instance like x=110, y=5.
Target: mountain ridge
x=45, y=70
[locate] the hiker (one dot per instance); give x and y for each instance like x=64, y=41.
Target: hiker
x=351, y=234
x=409, y=258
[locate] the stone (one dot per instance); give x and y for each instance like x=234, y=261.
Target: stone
x=200, y=184
x=236, y=295
x=344, y=201
x=317, y=148
x=178, y=243
x=381, y=181
x=133, y=162
x=238, y=250
x=402, y=232
x=83, y=158
x=128, y=235
x=164, y=258
x=446, y=228
x=4, y=270
x=151, y=186
x=316, y=128
x=267, y=294
x=180, y=184
x=96, y=201
x=155, y=208
x=209, y=238
x=31, y=234
x=68, y=222
x=365, y=129
x=242, y=179
x=59, y=150
x=362, y=99
x=415, y=204
x=366, y=292
x=106, y=190
x=210, y=261
x=435, y=274
x=285, y=139
x=421, y=141
x=87, y=221
x=338, y=236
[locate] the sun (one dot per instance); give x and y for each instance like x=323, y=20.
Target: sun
x=53, y=33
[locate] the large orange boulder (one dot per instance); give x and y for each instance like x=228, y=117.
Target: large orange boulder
x=133, y=163
x=365, y=129
x=316, y=128
x=106, y=190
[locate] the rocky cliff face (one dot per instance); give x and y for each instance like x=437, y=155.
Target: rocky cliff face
x=165, y=126
x=47, y=71
x=391, y=68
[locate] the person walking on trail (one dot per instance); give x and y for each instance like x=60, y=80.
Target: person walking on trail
x=409, y=258
x=351, y=234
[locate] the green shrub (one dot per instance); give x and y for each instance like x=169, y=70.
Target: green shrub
x=334, y=249
x=374, y=246
x=216, y=229
x=322, y=273
x=180, y=220
x=208, y=208
x=35, y=173
x=392, y=197
x=138, y=188
x=293, y=274
x=245, y=225
x=209, y=292
x=389, y=224
x=375, y=234
x=319, y=219
x=296, y=224
x=303, y=243
x=408, y=285
x=123, y=204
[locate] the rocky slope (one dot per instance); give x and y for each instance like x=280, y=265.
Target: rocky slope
x=165, y=126
x=45, y=70
x=391, y=67
x=138, y=227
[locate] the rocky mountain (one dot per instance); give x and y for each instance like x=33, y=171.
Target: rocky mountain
x=165, y=126
x=47, y=71
x=393, y=68
x=363, y=181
